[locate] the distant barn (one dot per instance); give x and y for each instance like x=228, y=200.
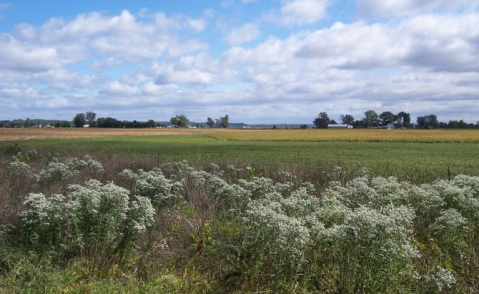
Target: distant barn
x=340, y=126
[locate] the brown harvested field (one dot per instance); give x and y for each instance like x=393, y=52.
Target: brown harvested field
x=356, y=135
x=58, y=133
x=353, y=135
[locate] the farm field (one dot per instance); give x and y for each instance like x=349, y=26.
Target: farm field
x=242, y=215
x=406, y=160
x=354, y=135
x=7, y=134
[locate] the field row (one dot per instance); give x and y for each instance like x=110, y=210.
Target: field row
x=355, y=135
x=68, y=133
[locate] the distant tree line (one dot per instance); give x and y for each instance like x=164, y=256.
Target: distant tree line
x=89, y=119
x=178, y=121
x=371, y=119
x=29, y=123
x=109, y=122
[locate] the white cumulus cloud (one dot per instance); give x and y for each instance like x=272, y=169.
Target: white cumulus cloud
x=153, y=89
x=385, y=8
x=302, y=12
x=243, y=34
x=119, y=88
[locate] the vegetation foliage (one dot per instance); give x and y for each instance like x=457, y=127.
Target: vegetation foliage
x=82, y=225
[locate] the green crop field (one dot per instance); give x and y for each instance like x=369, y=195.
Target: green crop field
x=406, y=160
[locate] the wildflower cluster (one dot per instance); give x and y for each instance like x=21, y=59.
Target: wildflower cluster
x=233, y=196
x=32, y=154
x=86, y=165
x=440, y=280
x=128, y=176
x=368, y=235
x=62, y=172
x=89, y=218
x=18, y=168
x=43, y=219
x=155, y=186
x=363, y=231
x=56, y=172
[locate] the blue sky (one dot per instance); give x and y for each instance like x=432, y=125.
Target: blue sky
x=260, y=61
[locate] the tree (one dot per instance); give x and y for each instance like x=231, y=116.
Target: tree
x=223, y=121
x=322, y=121
x=210, y=122
x=79, y=120
x=100, y=123
x=359, y=124
x=65, y=124
x=29, y=123
x=453, y=124
x=421, y=122
x=108, y=122
x=404, y=119
x=443, y=125
x=387, y=117
x=346, y=119
x=90, y=118
x=180, y=121
x=427, y=122
x=151, y=123
x=432, y=121
x=371, y=119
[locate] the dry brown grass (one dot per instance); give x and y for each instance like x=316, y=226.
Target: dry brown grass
x=353, y=135
x=34, y=134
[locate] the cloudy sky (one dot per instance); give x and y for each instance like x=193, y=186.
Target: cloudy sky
x=260, y=61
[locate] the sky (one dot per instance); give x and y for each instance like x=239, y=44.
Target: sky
x=259, y=61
